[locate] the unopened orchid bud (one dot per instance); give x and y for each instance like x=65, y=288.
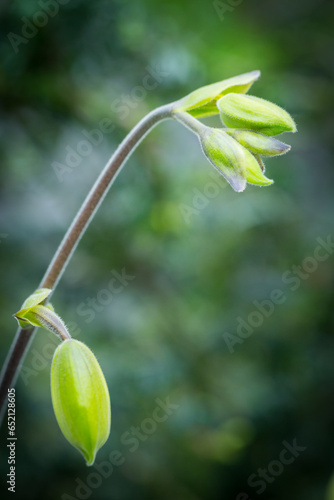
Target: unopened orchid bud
x=257, y=143
x=231, y=159
x=80, y=398
x=249, y=112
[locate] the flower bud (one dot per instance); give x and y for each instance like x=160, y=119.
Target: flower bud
x=231, y=159
x=257, y=143
x=202, y=102
x=249, y=112
x=80, y=398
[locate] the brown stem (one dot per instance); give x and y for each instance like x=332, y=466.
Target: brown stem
x=71, y=239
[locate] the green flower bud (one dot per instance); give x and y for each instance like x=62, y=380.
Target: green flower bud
x=249, y=112
x=202, y=102
x=257, y=143
x=231, y=159
x=80, y=398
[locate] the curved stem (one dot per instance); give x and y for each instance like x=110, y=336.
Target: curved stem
x=71, y=239
x=189, y=121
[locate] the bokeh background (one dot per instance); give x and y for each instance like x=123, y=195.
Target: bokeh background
x=164, y=335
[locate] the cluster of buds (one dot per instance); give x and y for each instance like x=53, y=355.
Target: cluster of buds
x=236, y=150
x=79, y=391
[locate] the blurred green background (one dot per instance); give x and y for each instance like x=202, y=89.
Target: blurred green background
x=164, y=335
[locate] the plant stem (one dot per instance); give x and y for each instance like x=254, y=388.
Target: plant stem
x=71, y=239
x=189, y=121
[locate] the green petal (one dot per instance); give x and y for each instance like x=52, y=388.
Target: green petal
x=255, y=173
x=202, y=102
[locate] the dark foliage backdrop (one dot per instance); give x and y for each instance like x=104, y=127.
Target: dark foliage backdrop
x=240, y=394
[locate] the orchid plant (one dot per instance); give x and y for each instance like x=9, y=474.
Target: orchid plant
x=79, y=391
